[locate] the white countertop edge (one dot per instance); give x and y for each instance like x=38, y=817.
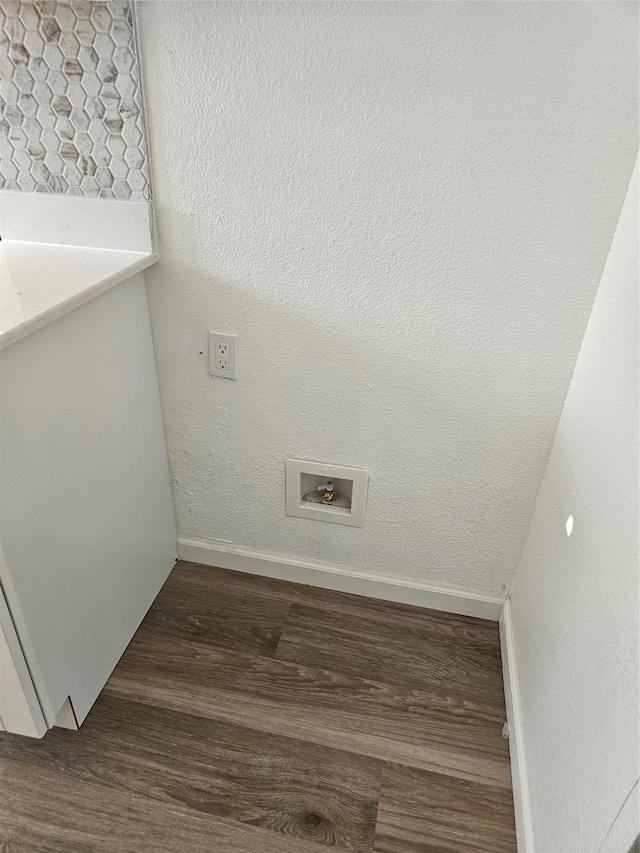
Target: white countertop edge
x=20, y=331
x=76, y=221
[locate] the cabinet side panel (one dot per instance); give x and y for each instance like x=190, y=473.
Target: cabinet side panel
x=87, y=520
x=20, y=711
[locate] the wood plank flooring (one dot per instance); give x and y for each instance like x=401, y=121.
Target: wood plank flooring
x=256, y=716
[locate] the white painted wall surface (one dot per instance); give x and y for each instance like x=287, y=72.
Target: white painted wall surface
x=575, y=600
x=403, y=209
x=83, y=464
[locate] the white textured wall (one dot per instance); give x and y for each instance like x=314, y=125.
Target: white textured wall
x=575, y=600
x=403, y=209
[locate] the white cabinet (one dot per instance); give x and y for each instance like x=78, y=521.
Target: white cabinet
x=20, y=710
x=86, y=517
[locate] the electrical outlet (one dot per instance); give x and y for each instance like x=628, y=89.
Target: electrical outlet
x=223, y=355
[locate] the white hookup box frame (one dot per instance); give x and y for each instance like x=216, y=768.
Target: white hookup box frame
x=301, y=471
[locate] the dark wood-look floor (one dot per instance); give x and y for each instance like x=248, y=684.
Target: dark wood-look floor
x=255, y=716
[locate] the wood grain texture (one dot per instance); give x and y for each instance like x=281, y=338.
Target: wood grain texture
x=251, y=716
x=47, y=811
x=435, y=622
x=422, y=812
x=451, y=734
x=395, y=653
x=284, y=785
x=211, y=615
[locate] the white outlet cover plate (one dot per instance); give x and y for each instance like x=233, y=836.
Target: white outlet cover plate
x=232, y=343
x=296, y=507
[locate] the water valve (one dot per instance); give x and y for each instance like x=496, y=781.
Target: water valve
x=329, y=495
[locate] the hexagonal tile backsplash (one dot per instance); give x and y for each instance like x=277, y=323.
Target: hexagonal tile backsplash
x=71, y=116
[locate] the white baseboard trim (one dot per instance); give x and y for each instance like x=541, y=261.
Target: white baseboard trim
x=339, y=578
x=519, y=778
